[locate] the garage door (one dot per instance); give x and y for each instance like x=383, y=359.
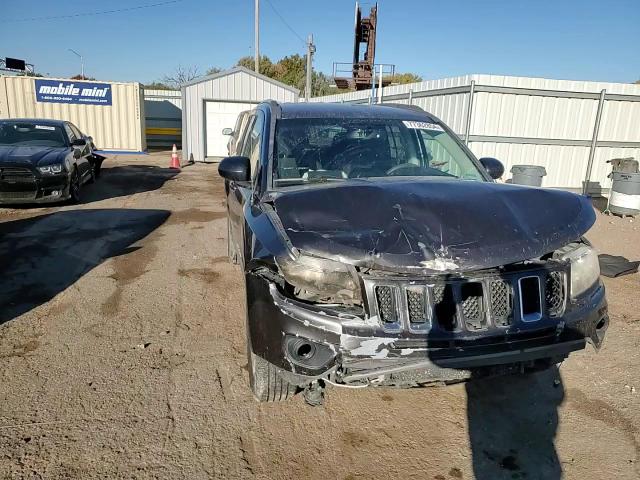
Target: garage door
x=220, y=115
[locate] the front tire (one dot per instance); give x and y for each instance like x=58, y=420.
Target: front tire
x=74, y=187
x=266, y=383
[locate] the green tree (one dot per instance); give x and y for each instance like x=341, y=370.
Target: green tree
x=291, y=70
x=80, y=77
x=265, y=65
x=214, y=70
x=403, y=78
x=158, y=86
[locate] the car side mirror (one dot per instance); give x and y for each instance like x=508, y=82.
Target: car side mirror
x=227, y=131
x=237, y=169
x=79, y=142
x=493, y=166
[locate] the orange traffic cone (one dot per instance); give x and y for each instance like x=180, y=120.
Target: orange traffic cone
x=175, y=162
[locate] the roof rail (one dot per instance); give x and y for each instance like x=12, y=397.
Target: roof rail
x=406, y=107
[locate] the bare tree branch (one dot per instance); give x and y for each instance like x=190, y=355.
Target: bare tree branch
x=181, y=75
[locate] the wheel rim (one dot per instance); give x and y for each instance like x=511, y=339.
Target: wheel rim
x=75, y=185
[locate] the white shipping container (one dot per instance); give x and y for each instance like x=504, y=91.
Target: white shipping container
x=119, y=126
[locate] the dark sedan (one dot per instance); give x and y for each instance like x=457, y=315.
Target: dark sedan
x=378, y=251
x=44, y=161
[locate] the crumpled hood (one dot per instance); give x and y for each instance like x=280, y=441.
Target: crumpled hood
x=431, y=224
x=32, y=155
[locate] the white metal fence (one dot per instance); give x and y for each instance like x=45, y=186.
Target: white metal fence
x=570, y=127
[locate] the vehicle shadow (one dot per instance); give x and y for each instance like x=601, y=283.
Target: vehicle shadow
x=121, y=181
x=512, y=417
x=43, y=255
x=512, y=425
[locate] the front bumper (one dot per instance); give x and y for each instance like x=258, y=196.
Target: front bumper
x=351, y=350
x=34, y=188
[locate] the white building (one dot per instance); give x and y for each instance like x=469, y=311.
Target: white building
x=213, y=102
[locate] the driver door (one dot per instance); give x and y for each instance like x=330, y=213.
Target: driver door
x=82, y=161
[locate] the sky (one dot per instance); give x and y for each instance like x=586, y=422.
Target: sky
x=563, y=39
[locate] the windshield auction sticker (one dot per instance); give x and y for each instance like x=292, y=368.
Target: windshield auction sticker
x=423, y=126
x=56, y=91
x=44, y=127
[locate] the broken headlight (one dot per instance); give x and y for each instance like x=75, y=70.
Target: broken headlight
x=322, y=277
x=585, y=268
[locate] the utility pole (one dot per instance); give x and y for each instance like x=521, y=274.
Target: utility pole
x=311, y=49
x=82, y=61
x=257, y=36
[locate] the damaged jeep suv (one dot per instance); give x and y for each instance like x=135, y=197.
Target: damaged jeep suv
x=377, y=250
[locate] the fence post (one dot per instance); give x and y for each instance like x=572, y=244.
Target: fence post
x=380, y=85
x=594, y=143
x=467, y=127
x=411, y=96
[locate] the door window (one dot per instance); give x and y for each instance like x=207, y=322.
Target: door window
x=75, y=130
x=72, y=136
x=253, y=144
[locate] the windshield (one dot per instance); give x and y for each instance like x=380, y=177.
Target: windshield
x=31, y=134
x=310, y=150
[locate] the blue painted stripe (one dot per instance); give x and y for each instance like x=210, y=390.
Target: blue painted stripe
x=120, y=152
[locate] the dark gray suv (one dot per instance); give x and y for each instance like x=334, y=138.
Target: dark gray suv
x=378, y=251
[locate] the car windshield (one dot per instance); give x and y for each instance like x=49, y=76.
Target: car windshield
x=31, y=134
x=331, y=149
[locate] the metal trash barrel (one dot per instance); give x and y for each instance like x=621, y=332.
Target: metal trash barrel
x=624, y=165
x=625, y=193
x=528, y=175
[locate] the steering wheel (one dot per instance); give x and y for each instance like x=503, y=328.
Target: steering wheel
x=406, y=169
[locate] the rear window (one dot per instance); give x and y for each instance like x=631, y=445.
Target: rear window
x=31, y=134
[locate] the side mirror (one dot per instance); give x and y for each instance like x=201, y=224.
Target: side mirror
x=227, y=131
x=237, y=169
x=494, y=167
x=79, y=142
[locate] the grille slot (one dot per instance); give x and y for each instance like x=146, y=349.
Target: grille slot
x=471, y=302
x=444, y=306
x=554, y=294
x=16, y=174
x=386, y=301
x=530, y=299
x=501, y=302
x=10, y=196
x=416, y=305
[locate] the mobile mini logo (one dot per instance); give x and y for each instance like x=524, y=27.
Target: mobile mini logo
x=71, y=92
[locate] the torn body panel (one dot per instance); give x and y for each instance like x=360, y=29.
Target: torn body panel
x=358, y=350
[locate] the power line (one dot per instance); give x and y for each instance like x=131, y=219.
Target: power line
x=88, y=14
x=285, y=23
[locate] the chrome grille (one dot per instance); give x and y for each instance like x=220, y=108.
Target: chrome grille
x=416, y=305
x=501, y=302
x=488, y=301
x=386, y=304
x=471, y=297
x=554, y=294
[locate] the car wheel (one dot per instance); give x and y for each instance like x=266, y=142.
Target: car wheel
x=92, y=174
x=74, y=187
x=265, y=380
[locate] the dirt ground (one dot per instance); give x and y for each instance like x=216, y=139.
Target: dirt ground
x=122, y=355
